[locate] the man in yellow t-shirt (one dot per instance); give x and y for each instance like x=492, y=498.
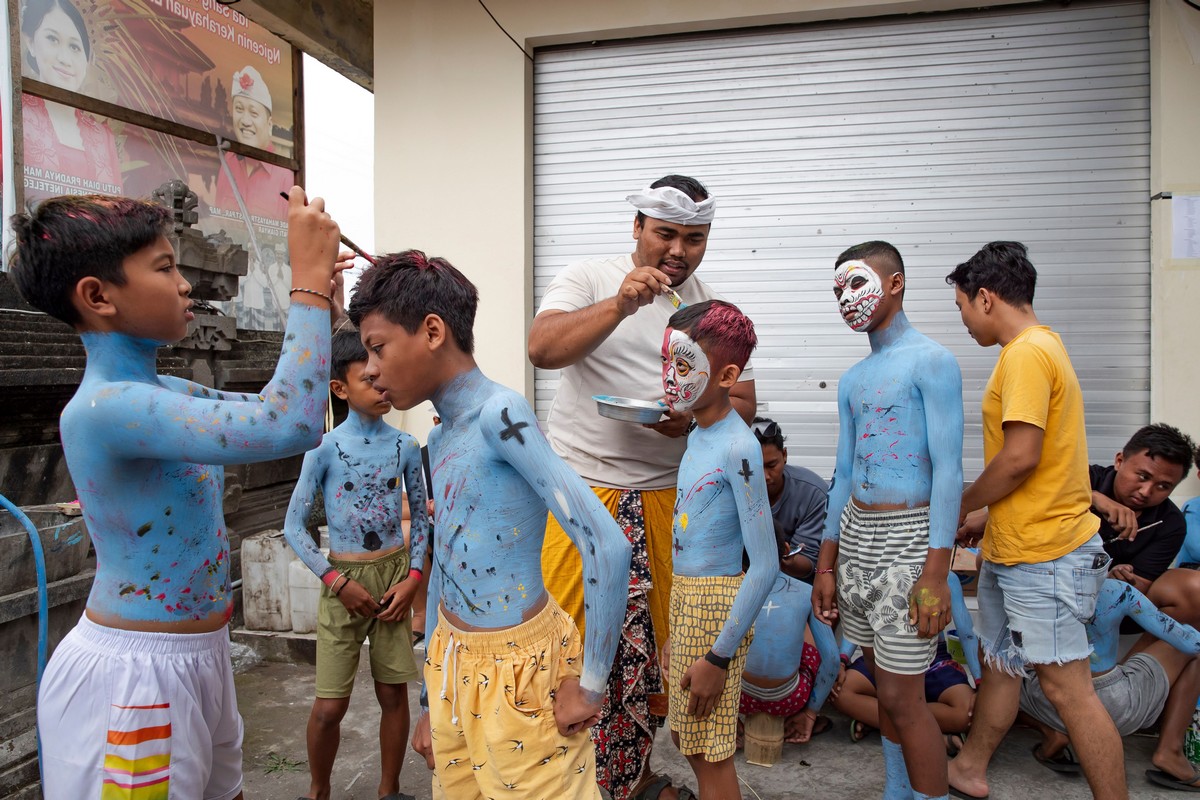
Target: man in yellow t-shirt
x=1043, y=561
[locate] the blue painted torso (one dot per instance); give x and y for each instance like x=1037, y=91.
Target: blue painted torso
x=494, y=476
x=360, y=466
x=900, y=430
x=145, y=453
x=721, y=506
x=779, y=638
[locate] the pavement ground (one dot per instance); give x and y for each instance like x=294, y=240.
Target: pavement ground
x=275, y=700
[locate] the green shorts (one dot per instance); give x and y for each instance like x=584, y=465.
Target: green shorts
x=340, y=636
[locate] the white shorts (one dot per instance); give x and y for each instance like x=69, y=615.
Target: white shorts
x=140, y=716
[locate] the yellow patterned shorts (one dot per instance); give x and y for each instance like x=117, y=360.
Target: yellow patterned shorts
x=699, y=609
x=491, y=711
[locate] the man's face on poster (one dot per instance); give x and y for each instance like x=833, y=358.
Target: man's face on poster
x=252, y=122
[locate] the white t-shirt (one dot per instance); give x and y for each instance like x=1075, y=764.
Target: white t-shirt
x=606, y=452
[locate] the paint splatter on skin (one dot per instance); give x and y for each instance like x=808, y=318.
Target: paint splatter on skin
x=153, y=507
x=900, y=414
x=495, y=491
x=779, y=638
x=1115, y=602
x=722, y=517
x=357, y=467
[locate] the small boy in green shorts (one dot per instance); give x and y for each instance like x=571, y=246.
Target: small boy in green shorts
x=721, y=507
x=369, y=583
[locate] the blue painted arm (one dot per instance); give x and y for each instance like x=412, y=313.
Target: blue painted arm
x=602, y=546
x=433, y=599
x=827, y=673
x=1138, y=607
x=154, y=422
x=758, y=537
x=964, y=626
x=184, y=386
x=839, y=490
x=940, y=383
x=1191, y=542
x=295, y=524
x=847, y=648
x=418, y=514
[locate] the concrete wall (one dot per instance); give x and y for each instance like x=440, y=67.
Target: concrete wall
x=1174, y=167
x=454, y=135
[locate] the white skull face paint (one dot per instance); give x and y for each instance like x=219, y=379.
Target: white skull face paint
x=859, y=291
x=685, y=370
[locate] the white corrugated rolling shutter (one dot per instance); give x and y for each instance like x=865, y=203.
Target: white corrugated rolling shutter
x=937, y=133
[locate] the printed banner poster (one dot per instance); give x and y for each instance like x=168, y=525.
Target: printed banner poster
x=106, y=53
x=195, y=62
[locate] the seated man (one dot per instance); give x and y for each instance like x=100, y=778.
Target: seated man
x=949, y=695
x=798, y=497
x=1142, y=529
x=786, y=676
x=1164, y=678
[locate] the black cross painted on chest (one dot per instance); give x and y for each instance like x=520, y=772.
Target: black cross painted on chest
x=746, y=472
x=513, y=431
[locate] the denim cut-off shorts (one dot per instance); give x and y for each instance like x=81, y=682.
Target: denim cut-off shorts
x=1035, y=613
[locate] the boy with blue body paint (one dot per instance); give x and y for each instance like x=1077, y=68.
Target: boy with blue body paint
x=893, y=509
x=509, y=687
x=139, y=696
x=772, y=683
x=721, y=507
x=369, y=581
x=1158, y=678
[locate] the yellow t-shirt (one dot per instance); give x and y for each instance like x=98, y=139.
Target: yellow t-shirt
x=1048, y=515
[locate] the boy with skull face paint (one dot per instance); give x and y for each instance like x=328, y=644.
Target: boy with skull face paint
x=893, y=510
x=721, y=507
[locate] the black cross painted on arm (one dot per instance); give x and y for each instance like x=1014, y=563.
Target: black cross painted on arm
x=513, y=430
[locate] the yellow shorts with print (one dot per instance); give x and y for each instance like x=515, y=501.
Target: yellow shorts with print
x=699, y=609
x=491, y=711
x=340, y=635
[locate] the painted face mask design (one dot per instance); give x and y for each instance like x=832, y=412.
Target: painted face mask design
x=685, y=370
x=861, y=293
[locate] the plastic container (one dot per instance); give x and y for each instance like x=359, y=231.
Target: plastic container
x=305, y=590
x=1191, y=738
x=266, y=603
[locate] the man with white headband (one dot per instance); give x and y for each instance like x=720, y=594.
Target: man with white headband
x=260, y=183
x=601, y=323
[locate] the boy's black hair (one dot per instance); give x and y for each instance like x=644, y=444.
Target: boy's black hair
x=1163, y=441
x=66, y=239
x=1002, y=268
x=345, y=348
x=726, y=334
x=406, y=287
x=879, y=250
x=689, y=186
x=767, y=431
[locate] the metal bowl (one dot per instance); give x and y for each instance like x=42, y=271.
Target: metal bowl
x=627, y=409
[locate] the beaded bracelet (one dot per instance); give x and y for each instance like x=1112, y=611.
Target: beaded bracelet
x=823, y=571
x=322, y=295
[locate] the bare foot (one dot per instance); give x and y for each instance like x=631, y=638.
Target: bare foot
x=1174, y=764
x=976, y=786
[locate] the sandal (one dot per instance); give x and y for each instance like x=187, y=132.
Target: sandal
x=1171, y=782
x=859, y=731
x=1065, y=762
x=654, y=788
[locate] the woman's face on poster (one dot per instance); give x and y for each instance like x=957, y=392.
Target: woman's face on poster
x=251, y=122
x=58, y=51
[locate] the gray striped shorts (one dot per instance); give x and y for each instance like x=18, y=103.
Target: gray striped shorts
x=880, y=556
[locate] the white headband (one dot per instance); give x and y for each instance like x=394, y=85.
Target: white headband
x=671, y=205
